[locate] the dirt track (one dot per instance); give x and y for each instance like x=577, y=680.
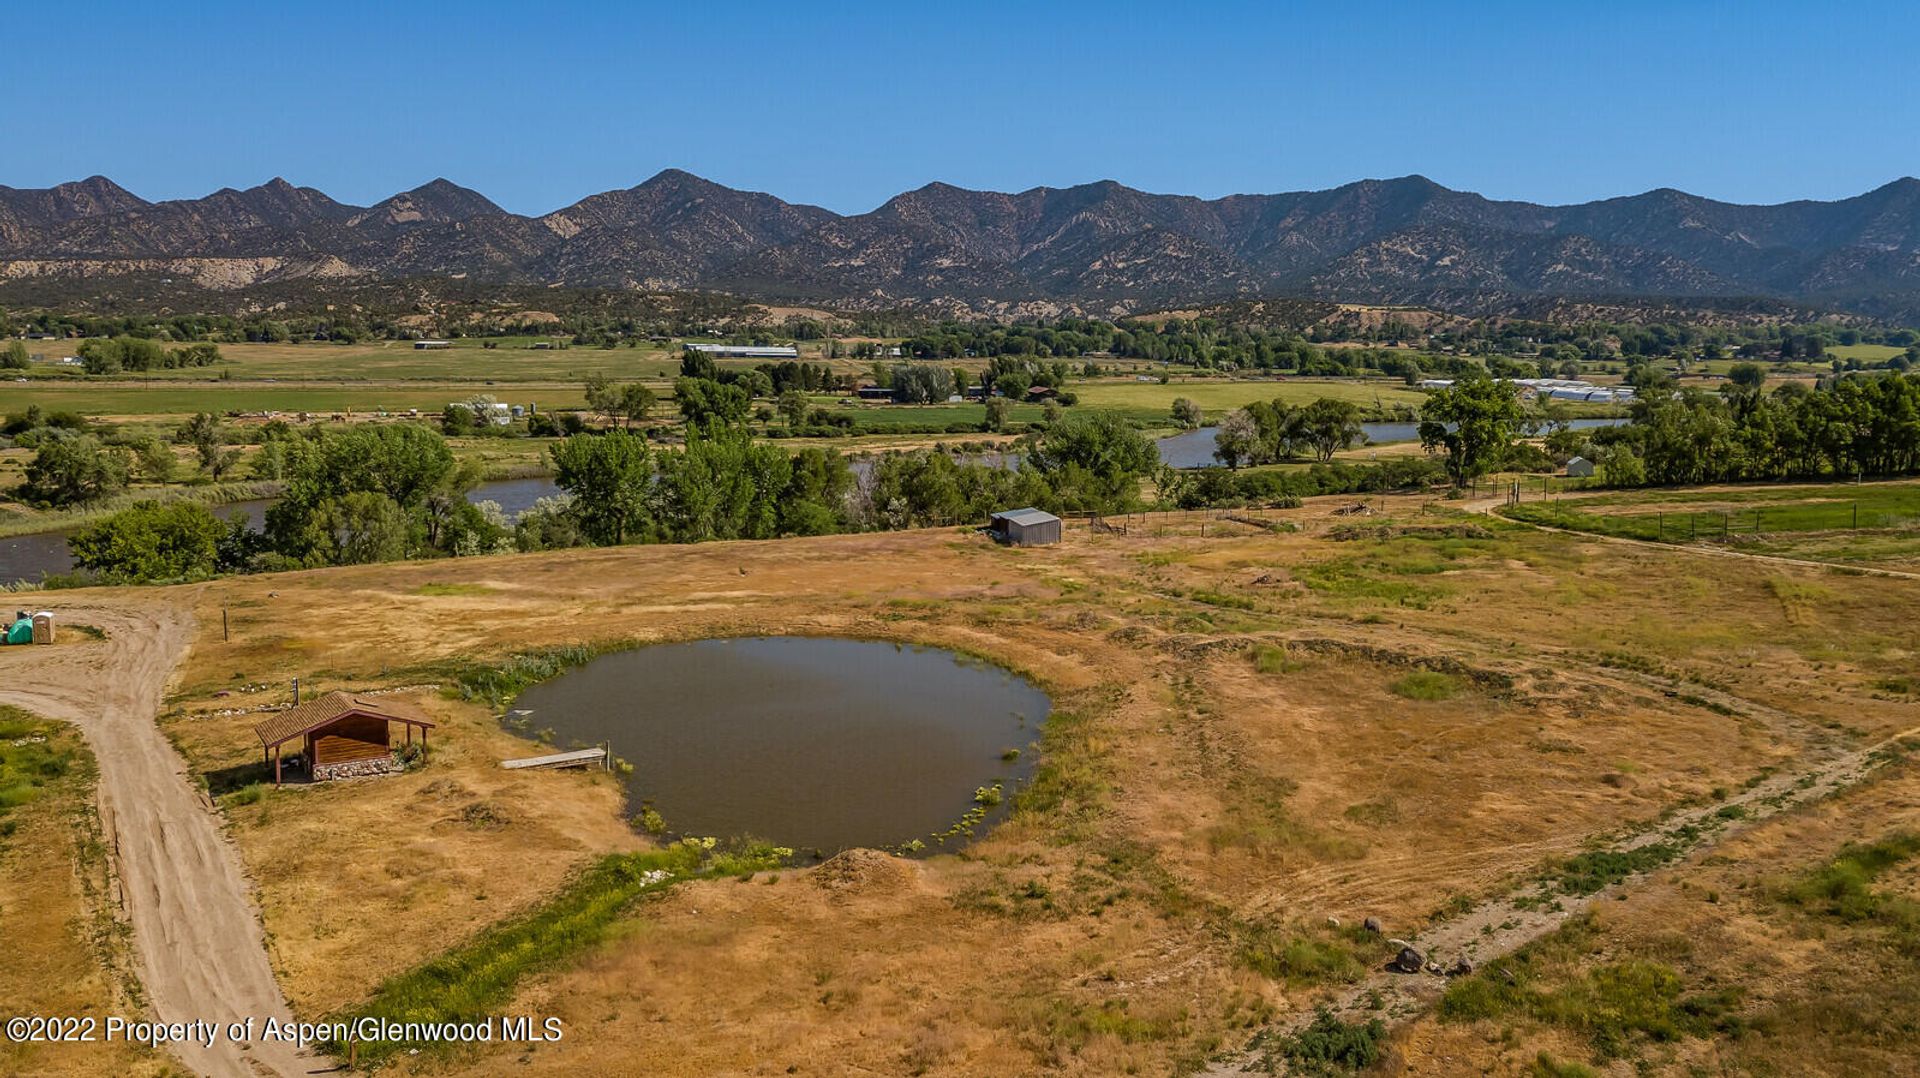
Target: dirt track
x=199, y=945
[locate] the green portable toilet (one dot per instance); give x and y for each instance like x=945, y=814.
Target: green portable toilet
x=22, y=632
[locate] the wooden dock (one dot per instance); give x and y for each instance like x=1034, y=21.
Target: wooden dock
x=577, y=758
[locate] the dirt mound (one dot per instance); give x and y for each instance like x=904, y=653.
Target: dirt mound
x=864, y=872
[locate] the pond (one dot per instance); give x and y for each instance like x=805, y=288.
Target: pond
x=819, y=744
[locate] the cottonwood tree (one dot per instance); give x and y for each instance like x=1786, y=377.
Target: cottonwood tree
x=70, y=469
x=209, y=441
x=610, y=477
x=1328, y=426
x=1475, y=422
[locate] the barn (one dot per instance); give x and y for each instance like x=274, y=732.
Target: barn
x=1025, y=527
x=340, y=735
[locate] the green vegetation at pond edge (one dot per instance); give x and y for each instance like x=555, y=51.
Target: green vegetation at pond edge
x=474, y=980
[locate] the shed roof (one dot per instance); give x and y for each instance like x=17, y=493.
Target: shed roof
x=1026, y=517
x=321, y=710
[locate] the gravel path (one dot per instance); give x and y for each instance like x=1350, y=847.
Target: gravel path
x=200, y=951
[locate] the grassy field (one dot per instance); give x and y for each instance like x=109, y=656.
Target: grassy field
x=1725, y=511
x=1865, y=353
x=174, y=398
x=511, y=360
x=55, y=912
x=1253, y=732
x=1151, y=402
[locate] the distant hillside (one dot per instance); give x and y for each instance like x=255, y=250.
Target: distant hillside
x=1404, y=241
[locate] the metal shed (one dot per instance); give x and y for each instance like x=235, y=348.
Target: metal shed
x=1025, y=527
x=1580, y=467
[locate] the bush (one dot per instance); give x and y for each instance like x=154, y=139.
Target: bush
x=152, y=541
x=1330, y=1045
x=1426, y=685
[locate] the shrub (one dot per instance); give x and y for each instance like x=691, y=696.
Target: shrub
x=1329, y=1045
x=1426, y=685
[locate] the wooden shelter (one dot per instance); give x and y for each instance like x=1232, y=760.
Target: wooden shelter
x=339, y=730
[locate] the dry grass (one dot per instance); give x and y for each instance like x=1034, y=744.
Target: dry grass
x=1186, y=799
x=65, y=955
x=1807, y=992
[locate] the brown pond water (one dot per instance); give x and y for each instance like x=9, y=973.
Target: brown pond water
x=815, y=743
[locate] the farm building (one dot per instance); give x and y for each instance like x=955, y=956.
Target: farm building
x=1580, y=468
x=340, y=735
x=746, y=351
x=874, y=393
x=427, y=345
x=1025, y=527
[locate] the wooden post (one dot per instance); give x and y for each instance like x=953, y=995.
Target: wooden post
x=223, y=625
x=276, y=765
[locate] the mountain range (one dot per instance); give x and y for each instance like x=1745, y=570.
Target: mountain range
x=1407, y=240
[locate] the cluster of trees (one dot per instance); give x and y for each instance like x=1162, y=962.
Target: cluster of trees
x=1597, y=341
x=115, y=354
x=1265, y=432
x=382, y=492
x=1866, y=424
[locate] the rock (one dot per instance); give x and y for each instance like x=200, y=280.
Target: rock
x=1333, y=922
x=1371, y=924
x=1460, y=968
x=1398, y=942
x=1407, y=961
x=1434, y=968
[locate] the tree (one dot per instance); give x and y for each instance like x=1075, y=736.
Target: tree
x=1236, y=438
x=793, y=406
x=74, y=468
x=709, y=403
x=1095, y=461
x=153, y=460
x=636, y=403
x=1186, y=414
x=603, y=398
x=1475, y=422
x=401, y=462
x=362, y=527
x=610, y=477
x=996, y=417
x=920, y=383
x=722, y=485
x=152, y=541
x=1329, y=425
x=15, y=357
x=203, y=432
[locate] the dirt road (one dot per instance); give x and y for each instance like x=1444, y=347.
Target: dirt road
x=199, y=945
x=1504, y=924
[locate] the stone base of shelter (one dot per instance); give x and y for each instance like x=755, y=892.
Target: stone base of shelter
x=358, y=769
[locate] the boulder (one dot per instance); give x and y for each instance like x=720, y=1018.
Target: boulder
x=1371, y=924
x=1460, y=968
x=1407, y=961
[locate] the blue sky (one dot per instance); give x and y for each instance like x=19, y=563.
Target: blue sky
x=844, y=105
